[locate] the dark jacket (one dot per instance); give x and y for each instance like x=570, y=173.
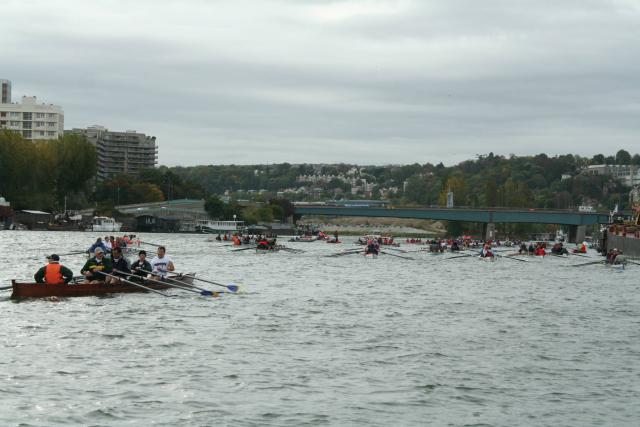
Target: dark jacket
x=93, y=265
x=145, y=266
x=121, y=265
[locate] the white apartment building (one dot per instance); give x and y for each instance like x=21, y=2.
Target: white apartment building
x=32, y=120
x=628, y=174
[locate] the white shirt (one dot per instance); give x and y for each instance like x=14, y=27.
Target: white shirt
x=159, y=265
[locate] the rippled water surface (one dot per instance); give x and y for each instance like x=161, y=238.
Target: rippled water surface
x=324, y=341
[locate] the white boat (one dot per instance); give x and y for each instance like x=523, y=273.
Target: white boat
x=103, y=223
x=224, y=227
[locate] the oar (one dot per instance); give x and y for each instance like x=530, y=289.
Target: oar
x=589, y=263
x=399, y=256
x=399, y=250
x=6, y=288
x=578, y=254
x=203, y=292
x=232, y=288
x=243, y=249
x=347, y=252
x=133, y=283
x=74, y=253
x=460, y=256
x=151, y=244
x=511, y=257
x=632, y=262
x=295, y=251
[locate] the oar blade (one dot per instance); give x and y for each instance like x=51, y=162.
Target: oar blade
x=232, y=288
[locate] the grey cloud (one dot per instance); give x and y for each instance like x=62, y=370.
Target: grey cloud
x=427, y=81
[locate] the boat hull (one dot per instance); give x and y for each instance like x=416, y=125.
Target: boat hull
x=41, y=290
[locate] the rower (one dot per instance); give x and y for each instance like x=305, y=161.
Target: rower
x=161, y=264
x=94, y=265
x=141, y=266
x=53, y=273
x=97, y=244
x=523, y=249
x=486, y=251
x=119, y=263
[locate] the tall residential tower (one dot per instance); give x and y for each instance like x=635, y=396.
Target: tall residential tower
x=120, y=152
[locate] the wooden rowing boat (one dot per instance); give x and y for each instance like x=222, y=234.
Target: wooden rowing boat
x=41, y=290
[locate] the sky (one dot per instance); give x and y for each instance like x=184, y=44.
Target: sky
x=353, y=81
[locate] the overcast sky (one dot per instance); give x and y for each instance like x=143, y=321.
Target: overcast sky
x=368, y=82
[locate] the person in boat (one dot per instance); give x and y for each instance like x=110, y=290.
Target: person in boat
x=161, y=264
x=119, y=263
x=97, y=244
x=454, y=246
x=558, y=249
x=141, y=266
x=218, y=238
x=373, y=247
x=99, y=263
x=53, y=273
x=108, y=245
x=486, y=251
x=540, y=251
x=523, y=249
x=615, y=257
x=580, y=248
x=264, y=244
x=531, y=249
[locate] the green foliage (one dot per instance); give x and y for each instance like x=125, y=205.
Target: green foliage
x=214, y=207
x=39, y=175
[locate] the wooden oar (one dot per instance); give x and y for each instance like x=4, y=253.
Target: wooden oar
x=6, y=288
x=232, y=288
x=134, y=284
x=201, y=291
x=399, y=256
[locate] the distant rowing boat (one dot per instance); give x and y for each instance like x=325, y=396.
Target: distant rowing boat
x=41, y=290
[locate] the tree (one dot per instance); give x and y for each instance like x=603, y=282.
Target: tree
x=214, y=207
x=623, y=157
x=598, y=159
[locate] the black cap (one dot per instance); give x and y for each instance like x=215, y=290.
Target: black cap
x=53, y=257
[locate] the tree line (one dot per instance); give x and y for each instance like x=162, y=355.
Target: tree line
x=45, y=175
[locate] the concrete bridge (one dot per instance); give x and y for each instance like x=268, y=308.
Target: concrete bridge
x=576, y=221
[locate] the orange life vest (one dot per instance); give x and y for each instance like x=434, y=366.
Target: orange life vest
x=52, y=274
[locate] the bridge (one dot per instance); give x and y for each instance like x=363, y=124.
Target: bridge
x=576, y=221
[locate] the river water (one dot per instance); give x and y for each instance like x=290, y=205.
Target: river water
x=312, y=340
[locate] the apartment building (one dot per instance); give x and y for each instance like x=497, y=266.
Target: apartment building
x=120, y=152
x=29, y=118
x=628, y=174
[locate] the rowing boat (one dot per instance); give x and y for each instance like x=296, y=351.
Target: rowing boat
x=41, y=290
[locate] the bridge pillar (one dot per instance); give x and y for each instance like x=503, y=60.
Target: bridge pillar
x=489, y=231
x=577, y=233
